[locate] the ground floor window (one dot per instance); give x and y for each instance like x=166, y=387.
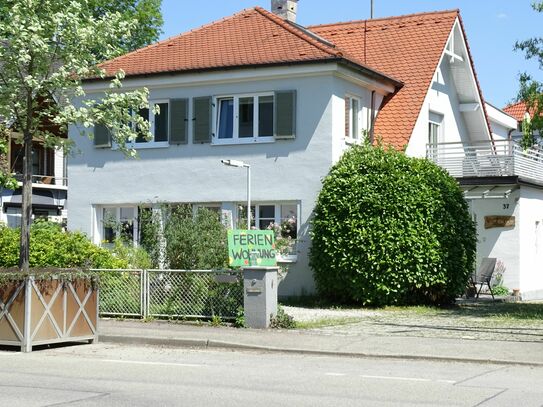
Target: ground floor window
x=118, y=222
x=281, y=217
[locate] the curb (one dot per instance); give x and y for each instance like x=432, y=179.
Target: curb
x=214, y=344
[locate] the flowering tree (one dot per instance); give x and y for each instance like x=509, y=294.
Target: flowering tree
x=531, y=90
x=47, y=47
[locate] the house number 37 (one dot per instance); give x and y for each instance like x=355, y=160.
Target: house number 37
x=505, y=206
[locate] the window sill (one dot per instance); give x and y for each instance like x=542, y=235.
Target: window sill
x=144, y=146
x=252, y=140
x=286, y=259
x=351, y=141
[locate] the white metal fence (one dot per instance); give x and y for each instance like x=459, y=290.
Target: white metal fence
x=170, y=293
x=487, y=159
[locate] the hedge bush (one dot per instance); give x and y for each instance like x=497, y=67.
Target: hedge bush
x=50, y=246
x=390, y=229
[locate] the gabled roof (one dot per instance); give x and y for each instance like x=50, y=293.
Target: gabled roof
x=517, y=110
x=252, y=37
x=408, y=48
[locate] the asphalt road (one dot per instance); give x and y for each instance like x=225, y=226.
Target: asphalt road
x=115, y=375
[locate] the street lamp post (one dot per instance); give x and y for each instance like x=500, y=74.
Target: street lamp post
x=241, y=164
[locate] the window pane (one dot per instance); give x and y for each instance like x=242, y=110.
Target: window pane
x=246, y=117
x=145, y=114
x=242, y=217
x=161, y=123
x=266, y=211
x=109, y=220
x=289, y=222
x=354, y=118
x=433, y=132
x=266, y=215
x=127, y=224
x=265, y=116
x=226, y=118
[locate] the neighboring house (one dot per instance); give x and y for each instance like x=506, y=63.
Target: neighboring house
x=49, y=183
x=289, y=100
x=520, y=112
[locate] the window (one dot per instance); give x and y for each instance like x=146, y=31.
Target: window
x=118, y=222
x=353, y=118
x=435, y=135
x=158, y=124
x=244, y=119
x=265, y=216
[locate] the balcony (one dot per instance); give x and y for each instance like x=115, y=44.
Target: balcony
x=499, y=158
x=45, y=181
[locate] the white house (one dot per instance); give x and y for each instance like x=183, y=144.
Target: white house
x=288, y=100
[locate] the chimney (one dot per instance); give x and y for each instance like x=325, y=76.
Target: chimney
x=286, y=9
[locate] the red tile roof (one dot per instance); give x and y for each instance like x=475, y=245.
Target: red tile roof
x=517, y=110
x=249, y=38
x=408, y=48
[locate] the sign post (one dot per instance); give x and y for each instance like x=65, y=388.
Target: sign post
x=254, y=252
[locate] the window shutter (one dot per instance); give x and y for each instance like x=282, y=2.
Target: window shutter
x=285, y=115
x=179, y=121
x=102, y=136
x=202, y=120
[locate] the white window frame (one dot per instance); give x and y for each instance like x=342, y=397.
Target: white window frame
x=360, y=120
x=439, y=125
x=277, y=211
x=235, y=132
x=99, y=225
x=152, y=143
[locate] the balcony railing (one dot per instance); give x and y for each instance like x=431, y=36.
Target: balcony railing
x=45, y=180
x=487, y=159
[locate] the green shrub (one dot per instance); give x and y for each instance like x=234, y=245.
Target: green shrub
x=195, y=241
x=390, y=229
x=50, y=246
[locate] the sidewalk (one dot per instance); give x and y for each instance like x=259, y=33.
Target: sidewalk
x=316, y=342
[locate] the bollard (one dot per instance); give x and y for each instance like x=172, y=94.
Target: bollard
x=259, y=295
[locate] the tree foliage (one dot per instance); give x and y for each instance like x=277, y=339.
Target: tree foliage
x=146, y=13
x=390, y=229
x=47, y=48
x=52, y=247
x=531, y=89
x=6, y=179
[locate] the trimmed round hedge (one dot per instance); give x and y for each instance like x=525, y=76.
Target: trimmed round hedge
x=391, y=229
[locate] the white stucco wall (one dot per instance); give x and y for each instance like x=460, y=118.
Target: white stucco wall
x=531, y=243
x=501, y=243
x=282, y=171
x=441, y=99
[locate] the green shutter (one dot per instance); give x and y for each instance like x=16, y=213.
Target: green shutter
x=201, y=129
x=285, y=115
x=179, y=121
x=102, y=136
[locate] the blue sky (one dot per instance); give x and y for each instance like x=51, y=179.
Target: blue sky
x=492, y=28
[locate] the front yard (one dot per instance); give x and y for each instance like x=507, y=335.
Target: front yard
x=482, y=320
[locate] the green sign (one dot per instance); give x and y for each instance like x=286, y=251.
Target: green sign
x=251, y=248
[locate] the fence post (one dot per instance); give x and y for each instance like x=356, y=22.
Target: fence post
x=145, y=293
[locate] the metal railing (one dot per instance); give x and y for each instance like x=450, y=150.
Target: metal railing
x=45, y=180
x=170, y=293
x=487, y=159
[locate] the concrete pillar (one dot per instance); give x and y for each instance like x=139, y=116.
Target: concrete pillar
x=259, y=295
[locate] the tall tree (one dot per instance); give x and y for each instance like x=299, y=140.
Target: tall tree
x=146, y=13
x=47, y=47
x=531, y=89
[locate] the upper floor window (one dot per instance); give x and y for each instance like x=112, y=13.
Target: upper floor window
x=158, y=124
x=435, y=129
x=245, y=118
x=353, y=118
